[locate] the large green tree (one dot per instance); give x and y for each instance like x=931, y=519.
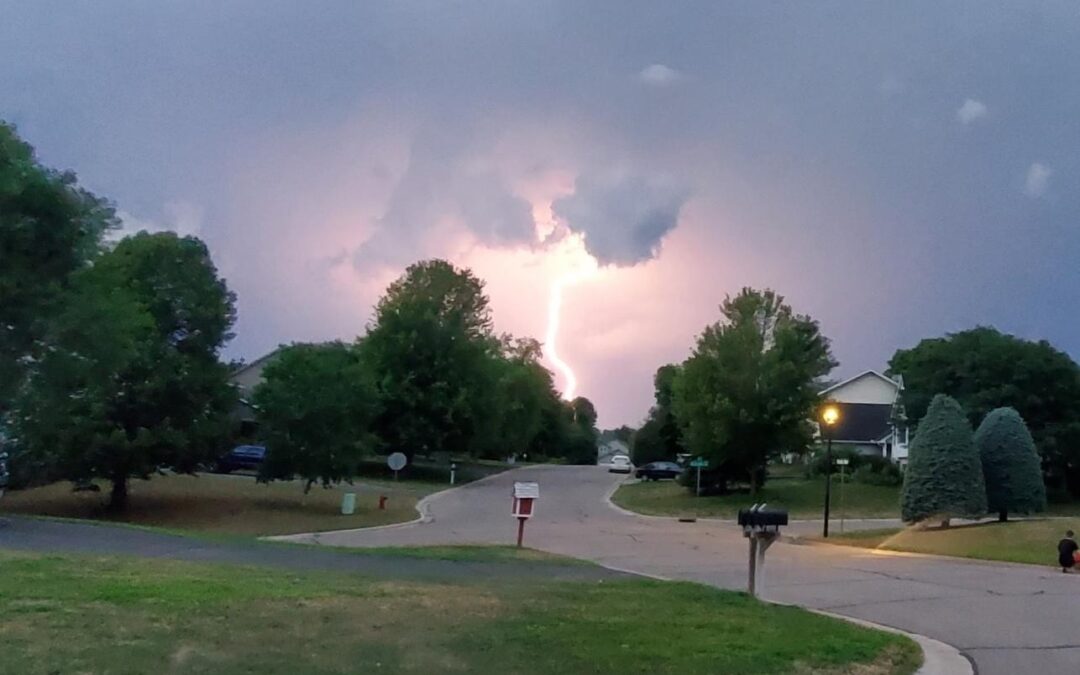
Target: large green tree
x=130, y=381
x=659, y=437
x=431, y=348
x=944, y=477
x=985, y=369
x=315, y=407
x=49, y=228
x=1014, y=481
x=751, y=386
x=523, y=387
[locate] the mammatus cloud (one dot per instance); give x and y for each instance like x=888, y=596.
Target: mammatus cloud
x=622, y=216
x=971, y=111
x=659, y=75
x=1037, y=180
x=183, y=218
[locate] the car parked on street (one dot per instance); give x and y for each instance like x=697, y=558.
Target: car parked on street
x=659, y=470
x=620, y=464
x=242, y=457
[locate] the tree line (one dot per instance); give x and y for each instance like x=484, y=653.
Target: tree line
x=750, y=392
x=111, y=368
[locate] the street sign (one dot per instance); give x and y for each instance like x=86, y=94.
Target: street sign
x=843, y=461
x=397, y=462
x=700, y=463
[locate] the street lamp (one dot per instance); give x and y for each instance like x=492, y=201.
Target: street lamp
x=830, y=415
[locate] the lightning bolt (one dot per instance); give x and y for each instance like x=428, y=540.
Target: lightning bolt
x=550, y=348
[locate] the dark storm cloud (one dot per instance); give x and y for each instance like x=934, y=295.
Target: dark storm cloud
x=624, y=217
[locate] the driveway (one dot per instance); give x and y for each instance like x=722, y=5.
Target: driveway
x=1007, y=618
x=51, y=536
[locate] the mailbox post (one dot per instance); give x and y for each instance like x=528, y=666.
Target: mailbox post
x=525, y=496
x=761, y=527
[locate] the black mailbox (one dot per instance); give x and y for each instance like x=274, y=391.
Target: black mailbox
x=762, y=518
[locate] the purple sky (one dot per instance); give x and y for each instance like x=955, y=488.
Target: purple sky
x=896, y=170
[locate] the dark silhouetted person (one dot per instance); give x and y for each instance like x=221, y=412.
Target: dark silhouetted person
x=1067, y=548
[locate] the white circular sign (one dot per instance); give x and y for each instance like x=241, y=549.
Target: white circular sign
x=397, y=461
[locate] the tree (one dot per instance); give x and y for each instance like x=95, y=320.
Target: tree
x=315, y=407
x=130, y=382
x=1010, y=463
x=751, y=386
x=985, y=369
x=659, y=437
x=523, y=387
x=944, y=477
x=49, y=228
x=583, y=436
x=431, y=348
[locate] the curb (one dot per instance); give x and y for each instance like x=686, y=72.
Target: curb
x=939, y=658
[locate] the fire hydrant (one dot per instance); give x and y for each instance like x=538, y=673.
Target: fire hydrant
x=382, y=502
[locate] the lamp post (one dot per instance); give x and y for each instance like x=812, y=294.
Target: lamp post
x=830, y=415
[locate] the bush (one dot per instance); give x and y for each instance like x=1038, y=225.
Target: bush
x=888, y=474
x=1011, y=467
x=944, y=477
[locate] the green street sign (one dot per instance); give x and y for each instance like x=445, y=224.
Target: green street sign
x=700, y=463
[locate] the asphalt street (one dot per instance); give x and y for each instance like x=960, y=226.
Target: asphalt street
x=1007, y=618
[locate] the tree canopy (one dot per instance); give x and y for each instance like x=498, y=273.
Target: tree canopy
x=985, y=369
x=944, y=477
x=130, y=381
x=315, y=408
x=1014, y=482
x=659, y=437
x=49, y=228
x=750, y=388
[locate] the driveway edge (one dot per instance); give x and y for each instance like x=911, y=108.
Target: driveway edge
x=423, y=516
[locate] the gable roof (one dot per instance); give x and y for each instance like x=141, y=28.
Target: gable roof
x=862, y=422
x=257, y=362
x=898, y=383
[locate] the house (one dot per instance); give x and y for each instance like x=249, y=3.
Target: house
x=872, y=420
x=608, y=449
x=245, y=379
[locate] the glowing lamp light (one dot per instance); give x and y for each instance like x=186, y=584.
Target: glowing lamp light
x=830, y=415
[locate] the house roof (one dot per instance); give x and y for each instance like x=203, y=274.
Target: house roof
x=862, y=422
x=898, y=383
x=257, y=362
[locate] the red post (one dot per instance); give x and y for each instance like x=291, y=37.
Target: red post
x=521, y=530
x=382, y=502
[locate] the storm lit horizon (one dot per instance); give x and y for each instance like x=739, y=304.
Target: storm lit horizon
x=896, y=172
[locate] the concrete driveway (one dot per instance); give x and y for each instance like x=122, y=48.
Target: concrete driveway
x=1007, y=618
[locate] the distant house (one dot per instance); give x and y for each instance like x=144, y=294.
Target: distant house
x=245, y=379
x=872, y=420
x=608, y=449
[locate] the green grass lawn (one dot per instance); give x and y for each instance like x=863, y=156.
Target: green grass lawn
x=228, y=504
x=119, y=615
x=1028, y=541
x=804, y=498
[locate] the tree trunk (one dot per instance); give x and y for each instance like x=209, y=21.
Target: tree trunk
x=118, y=498
x=1003, y=516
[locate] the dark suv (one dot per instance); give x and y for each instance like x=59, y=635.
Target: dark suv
x=242, y=457
x=658, y=470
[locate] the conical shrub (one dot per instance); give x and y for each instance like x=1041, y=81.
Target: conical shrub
x=944, y=477
x=1011, y=466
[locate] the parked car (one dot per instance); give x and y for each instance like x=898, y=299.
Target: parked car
x=241, y=457
x=658, y=470
x=620, y=464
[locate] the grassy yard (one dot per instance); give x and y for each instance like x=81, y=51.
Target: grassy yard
x=1028, y=541
x=228, y=504
x=114, y=615
x=804, y=498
